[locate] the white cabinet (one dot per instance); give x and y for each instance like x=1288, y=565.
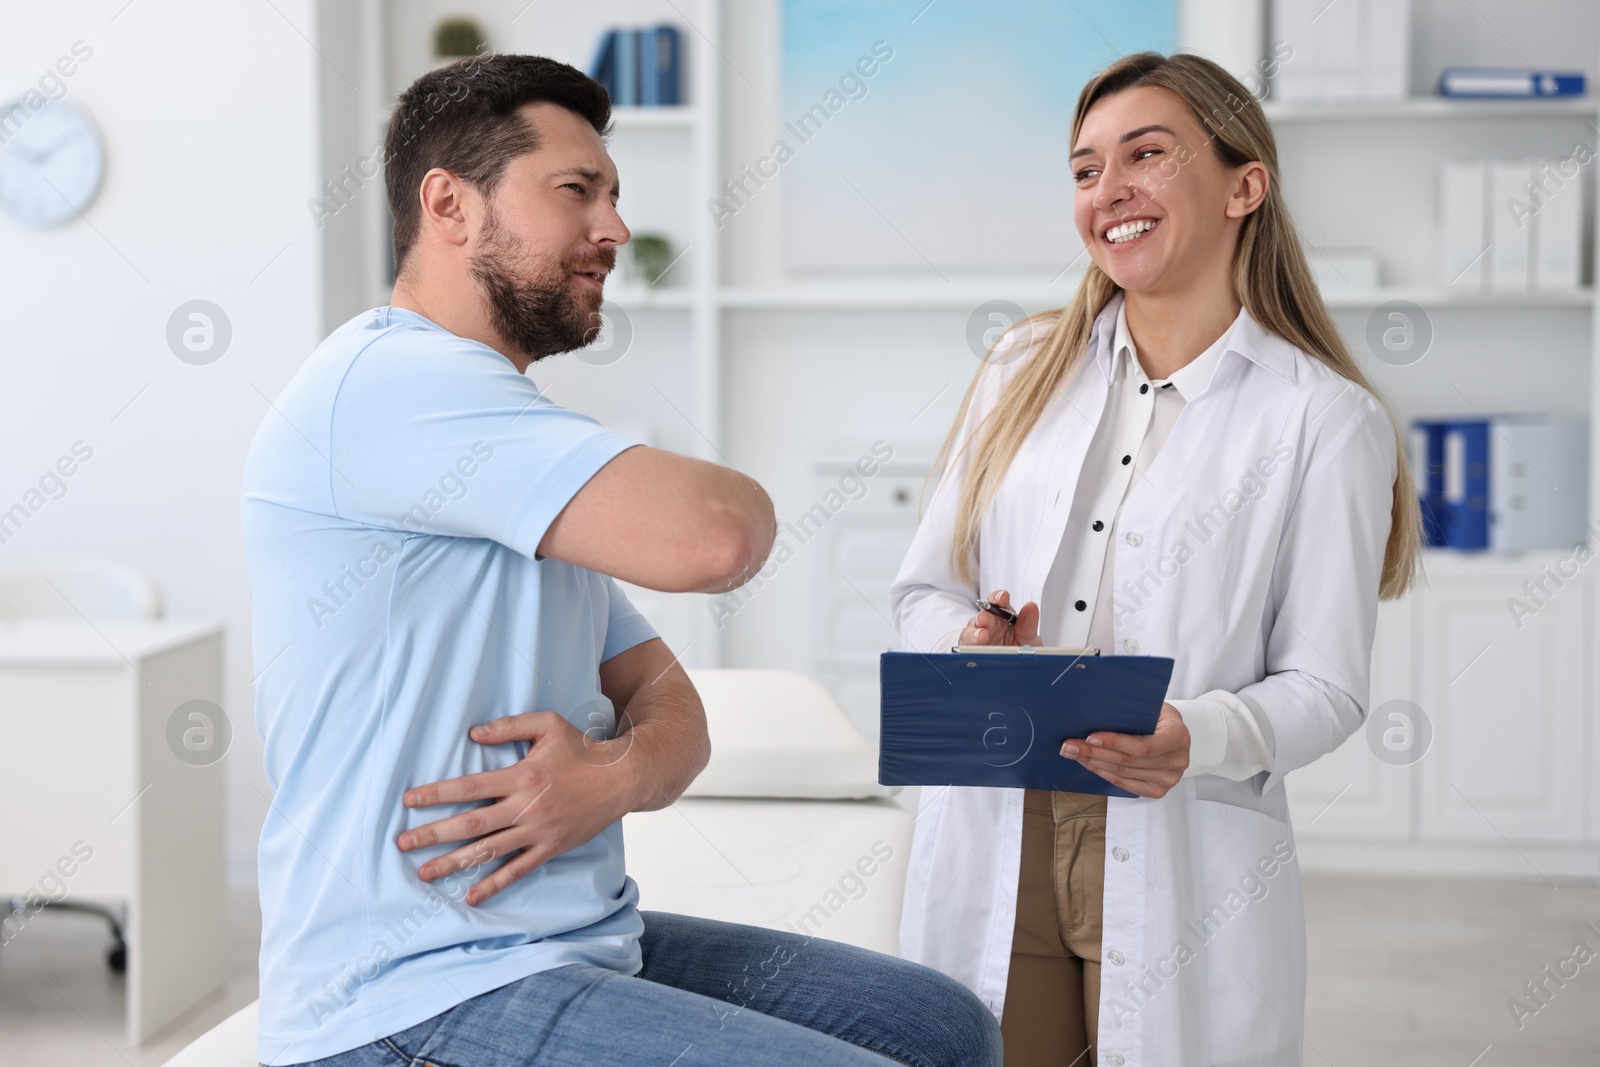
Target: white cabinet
x=1507, y=705
x=127, y=807
x=1500, y=698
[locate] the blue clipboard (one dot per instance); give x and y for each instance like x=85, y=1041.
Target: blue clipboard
x=994, y=719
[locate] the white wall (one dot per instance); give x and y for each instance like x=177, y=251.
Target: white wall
x=208, y=112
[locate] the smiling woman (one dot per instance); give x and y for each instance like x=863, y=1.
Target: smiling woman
x=1248, y=250
x=1196, y=357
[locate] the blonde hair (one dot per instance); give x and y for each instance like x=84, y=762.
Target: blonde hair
x=1270, y=277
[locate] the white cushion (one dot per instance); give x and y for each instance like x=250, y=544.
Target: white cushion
x=833, y=869
x=781, y=734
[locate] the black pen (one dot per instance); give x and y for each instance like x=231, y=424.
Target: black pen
x=998, y=610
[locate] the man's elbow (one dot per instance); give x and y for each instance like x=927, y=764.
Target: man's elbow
x=733, y=547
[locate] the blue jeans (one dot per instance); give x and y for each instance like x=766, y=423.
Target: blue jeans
x=710, y=993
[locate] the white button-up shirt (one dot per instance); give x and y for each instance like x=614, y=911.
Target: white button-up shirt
x=1226, y=735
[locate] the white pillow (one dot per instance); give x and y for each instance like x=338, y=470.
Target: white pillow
x=781, y=734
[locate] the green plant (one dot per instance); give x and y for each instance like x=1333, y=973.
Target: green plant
x=652, y=255
x=458, y=37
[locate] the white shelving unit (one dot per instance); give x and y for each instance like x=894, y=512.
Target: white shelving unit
x=683, y=117
x=685, y=139
x=1029, y=293
x=1507, y=784
x=962, y=294
x=1433, y=109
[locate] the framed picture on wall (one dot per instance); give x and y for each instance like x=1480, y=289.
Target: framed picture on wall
x=925, y=137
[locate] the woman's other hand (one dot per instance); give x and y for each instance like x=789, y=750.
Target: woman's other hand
x=1148, y=766
x=986, y=628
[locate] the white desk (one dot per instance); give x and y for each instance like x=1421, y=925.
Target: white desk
x=85, y=762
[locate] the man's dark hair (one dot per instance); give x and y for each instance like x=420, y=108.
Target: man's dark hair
x=463, y=117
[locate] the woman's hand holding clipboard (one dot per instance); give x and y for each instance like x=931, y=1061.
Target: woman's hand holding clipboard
x=1145, y=764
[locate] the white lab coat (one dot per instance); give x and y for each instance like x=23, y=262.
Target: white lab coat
x=1251, y=554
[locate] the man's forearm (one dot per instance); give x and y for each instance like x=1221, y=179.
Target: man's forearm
x=661, y=741
x=668, y=746
x=666, y=742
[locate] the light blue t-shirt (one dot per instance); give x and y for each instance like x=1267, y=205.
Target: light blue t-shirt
x=394, y=498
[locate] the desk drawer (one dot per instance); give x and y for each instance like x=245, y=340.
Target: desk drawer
x=66, y=772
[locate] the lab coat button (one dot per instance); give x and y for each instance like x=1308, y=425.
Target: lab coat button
x=1114, y=1059
x=1119, y=854
x=1134, y=539
x=1116, y=958
x=1130, y=645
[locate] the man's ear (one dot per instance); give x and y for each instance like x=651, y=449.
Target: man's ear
x=1250, y=183
x=446, y=202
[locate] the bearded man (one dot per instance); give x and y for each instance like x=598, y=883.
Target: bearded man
x=457, y=701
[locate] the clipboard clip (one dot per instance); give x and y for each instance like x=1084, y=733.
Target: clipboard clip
x=1023, y=650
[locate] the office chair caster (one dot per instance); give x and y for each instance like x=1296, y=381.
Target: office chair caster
x=116, y=955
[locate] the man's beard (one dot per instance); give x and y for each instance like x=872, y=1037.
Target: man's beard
x=531, y=302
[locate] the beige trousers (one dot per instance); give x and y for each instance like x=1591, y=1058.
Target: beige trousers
x=1052, y=1002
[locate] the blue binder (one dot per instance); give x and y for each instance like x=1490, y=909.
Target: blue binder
x=627, y=94
x=998, y=719
x=1429, y=476
x=649, y=82
x=641, y=68
x=1464, y=508
x=1514, y=83
x=604, y=67
x=664, y=73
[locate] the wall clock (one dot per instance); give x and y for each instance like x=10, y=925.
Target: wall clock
x=51, y=162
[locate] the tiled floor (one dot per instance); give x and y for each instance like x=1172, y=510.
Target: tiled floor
x=1403, y=971
x=1418, y=972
